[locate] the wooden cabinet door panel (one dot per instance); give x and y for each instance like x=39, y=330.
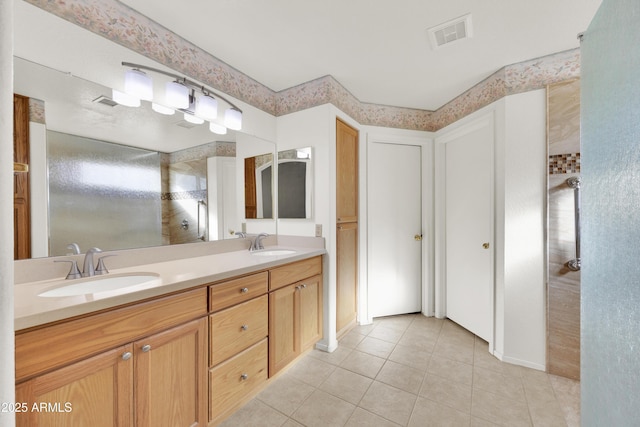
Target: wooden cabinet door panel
x=283, y=333
x=94, y=392
x=171, y=377
x=346, y=172
x=347, y=275
x=310, y=296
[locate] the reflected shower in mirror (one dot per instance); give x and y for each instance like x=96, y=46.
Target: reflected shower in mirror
x=295, y=183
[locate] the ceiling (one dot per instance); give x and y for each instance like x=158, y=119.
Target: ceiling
x=377, y=49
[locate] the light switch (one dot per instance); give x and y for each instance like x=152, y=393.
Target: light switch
x=318, y=230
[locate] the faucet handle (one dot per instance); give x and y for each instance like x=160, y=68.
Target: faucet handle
x=101, y=268
x=74, y=272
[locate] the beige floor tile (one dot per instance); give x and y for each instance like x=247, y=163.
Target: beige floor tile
x=447, y=392
x=323, y=410
x=401, y=376
x=455, y=348
x=451, y=369
x=409, y=356
x=432, y=414
x=375, y=347
x=567, y=392
x=255, y=414
x=386, y=333
x=479, y=422
x=364, y=329
x=292, y=423
x=311, y=371
x=286, y=394
x=389, y=402
x=419, y=341
x=499, y=409
x=496, y=382
x=335, y=358
x=346, y=385
x=401, y=322
x=362, y=363
x=362, y=418
x=351, y=339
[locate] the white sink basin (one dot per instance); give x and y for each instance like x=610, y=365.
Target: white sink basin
x=97, y=284
x=273, y=252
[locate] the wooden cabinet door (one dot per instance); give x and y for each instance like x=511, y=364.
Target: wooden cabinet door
x=347, y=275
x=346, y=172
x=310, y=302
x=171, y=377
x=284, y=344
x=94, y=392
x=21, y=195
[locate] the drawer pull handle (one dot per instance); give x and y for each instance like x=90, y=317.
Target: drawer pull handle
x=126, y=356
x=244, y=377
x=244, y=290
x=244, y=327
x=146, y=348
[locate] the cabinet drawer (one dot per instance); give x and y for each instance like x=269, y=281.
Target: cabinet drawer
x=294, y=272
x=43, y=349
x=236, y=328
x=232, y=381
x=232, y=292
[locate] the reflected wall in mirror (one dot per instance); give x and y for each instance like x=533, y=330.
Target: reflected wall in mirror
x=199, y=174
x=258, y=186
x=295, y=183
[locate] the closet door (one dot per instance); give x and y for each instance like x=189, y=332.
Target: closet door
x=347, y=224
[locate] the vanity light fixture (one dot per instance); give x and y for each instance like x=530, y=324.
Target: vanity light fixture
x=198, y=102
x=137, y=83
x=159, y=108
x=125, y=99
x=217, y=128
x=193, y=119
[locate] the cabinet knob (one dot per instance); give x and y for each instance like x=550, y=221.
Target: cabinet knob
x=304, y=286
x=244, y=377
x=146, y=348
x=485, y=245
x=298, y=287
x=127, y=355
x=244, y=327
x=244, y=290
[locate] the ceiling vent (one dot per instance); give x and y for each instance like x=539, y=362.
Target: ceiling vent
x=185, y=124
x=105, y=101
x=451, y=31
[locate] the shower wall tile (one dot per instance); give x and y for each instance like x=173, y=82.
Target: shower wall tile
x=563, y=287
x=564, y=117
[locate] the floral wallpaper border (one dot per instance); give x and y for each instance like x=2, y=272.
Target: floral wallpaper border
x=125, y=26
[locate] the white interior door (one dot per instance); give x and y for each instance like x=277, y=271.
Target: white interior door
x=394, y=221
x=469, y=273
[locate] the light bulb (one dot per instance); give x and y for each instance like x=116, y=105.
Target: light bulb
x=138, y=84
x=207, y=107
x=216, y=128
x=193, y=119
x=162, y=109
x=177, y=95
x=125, y=99
x=233, y=119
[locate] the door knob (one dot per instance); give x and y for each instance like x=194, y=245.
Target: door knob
x=485, y=245
x=417, y=237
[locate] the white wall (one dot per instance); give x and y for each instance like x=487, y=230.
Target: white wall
x=520, y=163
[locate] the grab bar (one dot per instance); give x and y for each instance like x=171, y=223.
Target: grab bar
x=574, y=182
x=203, y=236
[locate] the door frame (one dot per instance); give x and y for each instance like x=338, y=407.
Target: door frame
x=425, y=142
x=457, y=130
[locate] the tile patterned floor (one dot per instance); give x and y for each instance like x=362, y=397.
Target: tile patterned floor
x=411, y=371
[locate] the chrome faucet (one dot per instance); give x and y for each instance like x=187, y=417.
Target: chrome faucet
x=88, y=268
x=257, y=243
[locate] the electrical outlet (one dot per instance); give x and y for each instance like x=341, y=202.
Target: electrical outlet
x=244, y=227
x=318, y=230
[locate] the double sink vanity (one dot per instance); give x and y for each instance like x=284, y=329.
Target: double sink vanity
x=184, y=341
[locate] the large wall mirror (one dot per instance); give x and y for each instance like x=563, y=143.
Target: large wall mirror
x=110, y=176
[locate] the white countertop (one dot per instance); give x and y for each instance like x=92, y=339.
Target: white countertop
x=175, y=275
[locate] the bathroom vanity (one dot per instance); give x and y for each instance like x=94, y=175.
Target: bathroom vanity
x=189, y=355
